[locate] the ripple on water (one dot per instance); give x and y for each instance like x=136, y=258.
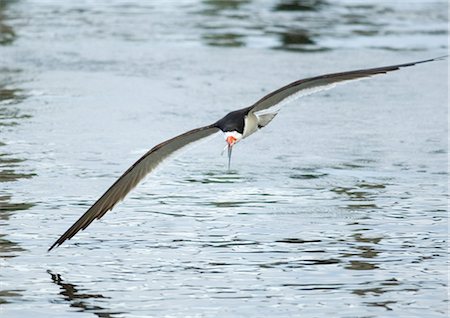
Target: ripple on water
x=218, y=176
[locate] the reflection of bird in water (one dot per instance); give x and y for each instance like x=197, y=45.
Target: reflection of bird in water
x=236, y=126
x=71, y=294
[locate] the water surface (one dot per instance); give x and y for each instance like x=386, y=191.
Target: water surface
x=338, y=208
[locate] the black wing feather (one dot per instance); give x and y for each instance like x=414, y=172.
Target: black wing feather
x=323, y=82
x=132, y=177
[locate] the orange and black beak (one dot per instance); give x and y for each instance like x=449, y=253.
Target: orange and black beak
x=230, y=141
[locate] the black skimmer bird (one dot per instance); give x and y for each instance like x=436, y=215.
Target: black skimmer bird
x=236, y=125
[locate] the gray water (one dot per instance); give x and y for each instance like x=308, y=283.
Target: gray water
x=337, y=209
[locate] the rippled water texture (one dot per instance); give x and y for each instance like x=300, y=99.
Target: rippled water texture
x=337, y=209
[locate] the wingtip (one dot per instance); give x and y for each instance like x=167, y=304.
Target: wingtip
x=56, y=244
x=440, y=58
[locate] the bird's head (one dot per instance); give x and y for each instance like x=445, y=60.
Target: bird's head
x=231, y=140
x=231, y=137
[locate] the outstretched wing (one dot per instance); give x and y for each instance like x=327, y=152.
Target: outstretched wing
x=132, y=177
x=272, y=102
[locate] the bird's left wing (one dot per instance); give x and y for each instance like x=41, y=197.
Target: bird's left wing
x=133, y=176
x=273, y=101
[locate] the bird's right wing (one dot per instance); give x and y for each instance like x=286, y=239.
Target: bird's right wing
x=133, y=176
x=272, y=102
